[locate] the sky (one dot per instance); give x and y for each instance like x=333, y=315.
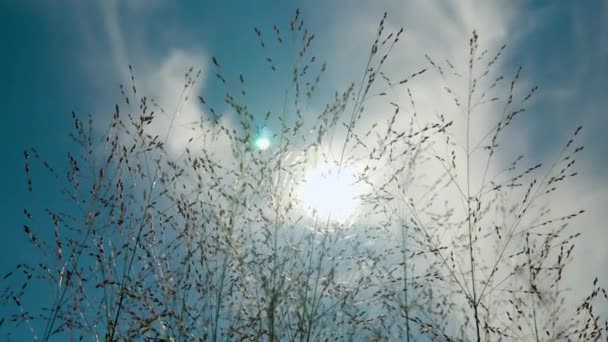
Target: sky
x=64, y=56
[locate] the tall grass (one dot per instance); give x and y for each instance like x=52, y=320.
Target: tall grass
x=211, y=241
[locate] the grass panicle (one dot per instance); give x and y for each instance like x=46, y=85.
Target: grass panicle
x=210, y=240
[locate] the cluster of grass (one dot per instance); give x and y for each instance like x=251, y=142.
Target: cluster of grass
x=211, y=243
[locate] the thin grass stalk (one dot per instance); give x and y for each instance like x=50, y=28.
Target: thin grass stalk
x=224, y=268
x=127, y=272
x=315, y=301
x=405, y=258
x=90, y=219
x=473, y=299
x=533, y=291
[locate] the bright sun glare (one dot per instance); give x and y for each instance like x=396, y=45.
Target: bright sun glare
x=329, y=193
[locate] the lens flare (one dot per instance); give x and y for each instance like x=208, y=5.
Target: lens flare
x=262, y=143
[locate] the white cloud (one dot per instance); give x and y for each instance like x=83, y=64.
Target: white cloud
x=442, y=29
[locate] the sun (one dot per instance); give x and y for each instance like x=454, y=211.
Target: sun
x=330, y=193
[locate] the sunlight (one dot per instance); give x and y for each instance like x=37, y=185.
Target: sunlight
x=330, y=194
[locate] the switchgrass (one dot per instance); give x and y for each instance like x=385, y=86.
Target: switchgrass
x=208, y=238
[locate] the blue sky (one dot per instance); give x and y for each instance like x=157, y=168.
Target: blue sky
x=63, y=56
